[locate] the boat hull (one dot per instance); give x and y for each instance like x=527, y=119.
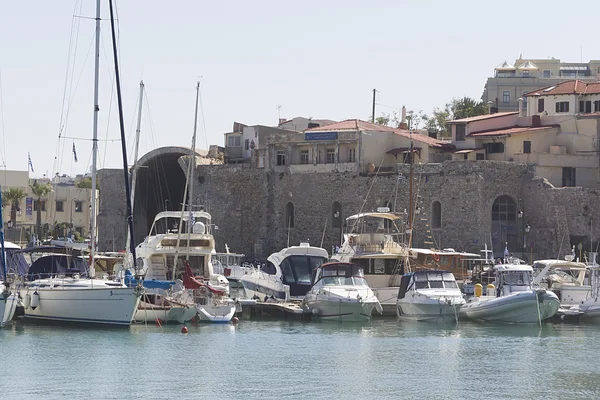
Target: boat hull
x=150, y=313
x=256, y=288
x=8, y=307
x=216, y=314
x=101, y=305
x=387, y=298
x=350, y=310
x=519, y=307
x=428, y=309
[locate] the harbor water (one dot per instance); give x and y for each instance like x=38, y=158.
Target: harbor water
x=381, y=359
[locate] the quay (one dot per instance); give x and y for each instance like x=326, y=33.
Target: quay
x=291, y=310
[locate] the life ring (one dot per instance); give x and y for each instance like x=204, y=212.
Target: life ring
x=436, y=257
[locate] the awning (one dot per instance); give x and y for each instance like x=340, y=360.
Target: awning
x=404, y=150
x=466, y=151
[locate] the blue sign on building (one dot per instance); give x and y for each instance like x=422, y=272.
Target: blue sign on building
x=320, y=136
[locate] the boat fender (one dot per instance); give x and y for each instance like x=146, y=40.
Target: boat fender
x=315, y=311
x=35, y=300
x=490, y=289
x=436, y=257
x=379, y=308
x=478, y=290
x=27, y=301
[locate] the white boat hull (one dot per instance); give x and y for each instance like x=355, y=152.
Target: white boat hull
x=258, y=288
x=347, y=310
x=518, y=307
x=150, y=313
x=216, y=314
x=98, y=305
x=422, y=308
x=7, y=308
x=387, y=298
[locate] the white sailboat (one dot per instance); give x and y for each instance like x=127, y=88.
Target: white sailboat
x=9, y=296
x=81, y=297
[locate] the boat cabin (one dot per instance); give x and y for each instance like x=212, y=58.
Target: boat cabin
x=512, y=278
x=167, y=222
x=339, y=274
x=224, y=262
x=430, y=279
x=445, y=260
x=375, y=232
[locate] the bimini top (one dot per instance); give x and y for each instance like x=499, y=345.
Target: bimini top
x=303, y=250
x=513, y=267
x=342, y=269
x=562, y=264
x=186, y=215
x=385, y=215
x=447, y=252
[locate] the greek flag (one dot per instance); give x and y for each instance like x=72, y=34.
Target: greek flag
x=74, y=152
x=29, y=161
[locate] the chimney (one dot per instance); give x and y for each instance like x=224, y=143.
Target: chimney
x=403, y=124
x=282, y=120
x=521, y=107
x=490, y=111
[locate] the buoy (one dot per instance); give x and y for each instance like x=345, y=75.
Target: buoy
x=478, y=289
x=235, y=320
x=35, y=300
x=184, y=329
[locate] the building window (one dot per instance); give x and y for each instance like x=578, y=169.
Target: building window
x=585, y=106
x=504, y=209
x=36, y=205
x=78, y=206
x=247, y=144
x=330, y=156
x=540, y=105
x=436, y=215
x=336, y=215
x=352, y=155
x=280, y=157
x=59, y=206
x=506, y=97
x=480, y=156
x=568, y=177
x=303, y=156
x=546, y=73
x=460, y=132
x=289, y=215
x=562, y=107
x=234, y=141
x=526, y=73
x=492, y=148
x=526, y=146
x=597, y=106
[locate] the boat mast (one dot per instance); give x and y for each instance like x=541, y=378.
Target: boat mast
x=410, y=187
x=3, y=253
x=192, y=174
x=92, y=271
x=123, y=144
x=135, y=156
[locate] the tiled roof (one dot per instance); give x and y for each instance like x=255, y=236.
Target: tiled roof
x=568, y=87
x=482, y=117
x=511, y=131
x=417, y=137
x=352, y=125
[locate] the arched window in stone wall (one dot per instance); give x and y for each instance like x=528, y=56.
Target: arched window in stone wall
x=336, y=215
x=504, y=209
x=436, y=215
x=289, y=215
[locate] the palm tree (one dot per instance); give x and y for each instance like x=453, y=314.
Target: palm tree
x=14, y=197
x=40, y=190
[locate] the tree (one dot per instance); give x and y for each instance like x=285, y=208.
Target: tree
x=14, y=197
x=455, y=109
x=86, y=183
x=388, y=119
x=467, y=107
x=40, y=190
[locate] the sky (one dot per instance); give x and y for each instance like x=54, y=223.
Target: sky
x=319, y=59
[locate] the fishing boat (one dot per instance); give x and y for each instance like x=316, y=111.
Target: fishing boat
x=287, y=274
x=429, y=295
x=378, y=242
x=233, y=267
x=340, y=292
x=512, y=298
x=9, y=296
x=54, y=293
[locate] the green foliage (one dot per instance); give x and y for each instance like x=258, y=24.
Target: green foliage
x=13, y=196
x=455, y=109
x=40, y=189
x=86, y=183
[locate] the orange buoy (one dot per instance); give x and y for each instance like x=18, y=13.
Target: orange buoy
x=235, y=320
x=184, y=329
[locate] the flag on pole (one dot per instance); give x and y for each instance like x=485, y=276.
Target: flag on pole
x=29, y=161
x=74, y=152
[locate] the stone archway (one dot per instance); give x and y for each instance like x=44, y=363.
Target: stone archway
x=505, y=229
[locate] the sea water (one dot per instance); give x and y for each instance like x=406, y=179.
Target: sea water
x=261, y=359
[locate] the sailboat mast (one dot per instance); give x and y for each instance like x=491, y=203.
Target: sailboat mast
x=410, y=187
x=135, y=155
x=92, y=271
x=122, y=129
x=3, y=253
x=192, y=172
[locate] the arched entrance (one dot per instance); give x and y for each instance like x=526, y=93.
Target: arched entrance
x=505, y=230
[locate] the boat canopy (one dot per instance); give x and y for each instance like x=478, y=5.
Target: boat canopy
x=427, y=279
x=513, y=267
x=57, y=264
x=130, y=281
x=443, y=252
x=186, y=215
x=15, y=262
x=385, y=215
x=337, y=269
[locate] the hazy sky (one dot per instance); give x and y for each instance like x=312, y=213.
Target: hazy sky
x=316, y=59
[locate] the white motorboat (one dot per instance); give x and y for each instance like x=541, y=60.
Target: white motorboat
x=231, y=265
x=8, y=296
x=589, y=308
x=514, y=300
x=287, y=274
x=341, y=293
x=58, y=289
x=165, y=254
x=378, y=242
x=566, y=278
x=429, y=295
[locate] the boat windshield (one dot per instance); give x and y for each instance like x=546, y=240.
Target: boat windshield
x=298, y=269
x=516, y=278
x=343, y=274
x=435, y=280
x=344, y=281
